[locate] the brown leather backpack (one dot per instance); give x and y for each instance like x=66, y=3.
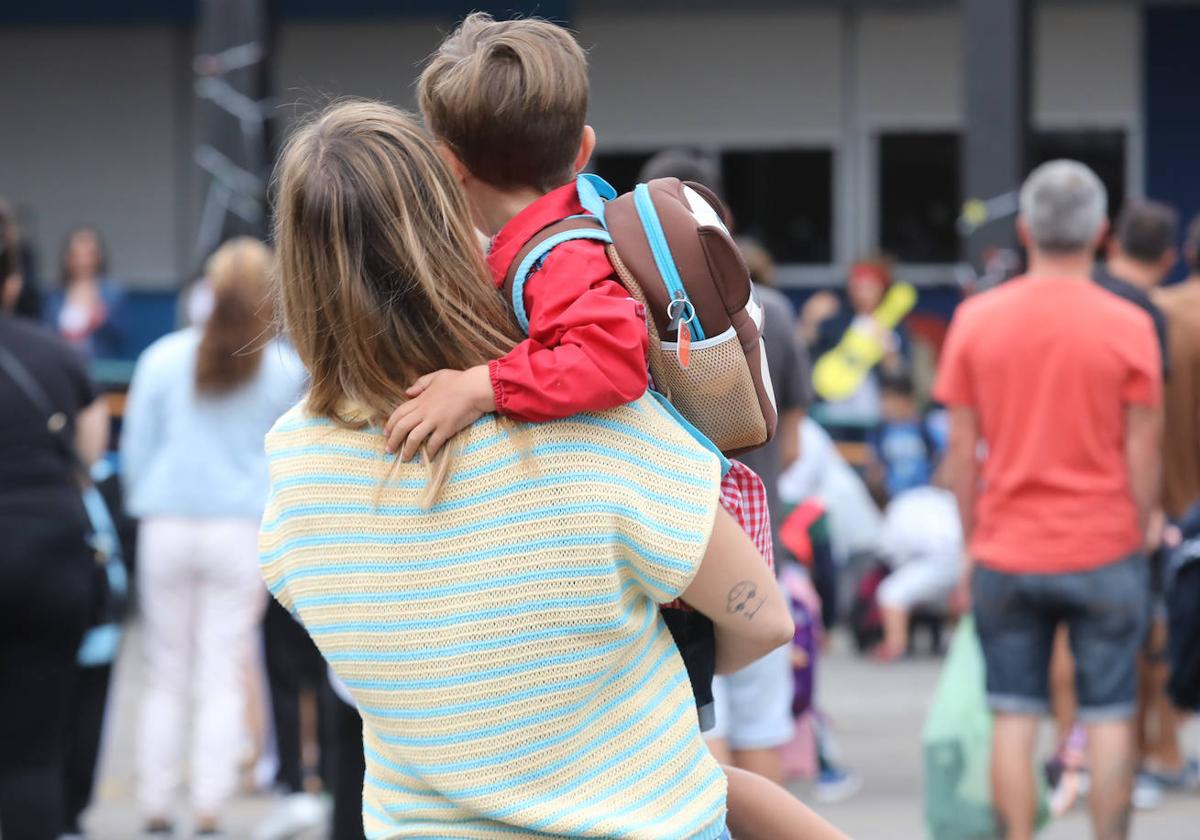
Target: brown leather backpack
x=670, y=246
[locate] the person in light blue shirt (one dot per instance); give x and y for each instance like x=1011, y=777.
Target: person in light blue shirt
x=195, y=472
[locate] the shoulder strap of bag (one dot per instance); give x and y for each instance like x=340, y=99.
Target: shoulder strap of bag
x=55, y=421
x=542, y=243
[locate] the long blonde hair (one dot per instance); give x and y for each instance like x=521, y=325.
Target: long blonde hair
x=381, y=275
x=231, y=347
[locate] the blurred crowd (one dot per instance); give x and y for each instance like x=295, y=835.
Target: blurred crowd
x=872, y=481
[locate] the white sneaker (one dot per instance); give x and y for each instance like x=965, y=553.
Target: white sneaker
x=296, y=813
x=1147, y=793
x=836, y=785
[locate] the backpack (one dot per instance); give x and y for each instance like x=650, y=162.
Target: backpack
x=670, y=246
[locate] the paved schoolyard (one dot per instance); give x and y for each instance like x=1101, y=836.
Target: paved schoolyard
x=878, y=712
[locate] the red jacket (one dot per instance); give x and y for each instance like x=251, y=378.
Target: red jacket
x=587, y=342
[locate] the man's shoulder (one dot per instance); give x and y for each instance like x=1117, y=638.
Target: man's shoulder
x=773, y=298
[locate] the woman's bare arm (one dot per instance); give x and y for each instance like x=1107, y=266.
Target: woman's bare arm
x=737, y=591
x=91, y=432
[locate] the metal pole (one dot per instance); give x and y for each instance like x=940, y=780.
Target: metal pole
x=997, y=43
x=232, y=85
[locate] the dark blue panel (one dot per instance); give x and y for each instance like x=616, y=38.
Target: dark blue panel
x=1172, y=91
x=25, y=12
x=147, y=316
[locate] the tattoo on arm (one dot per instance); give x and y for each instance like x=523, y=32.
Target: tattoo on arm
x=744, y=599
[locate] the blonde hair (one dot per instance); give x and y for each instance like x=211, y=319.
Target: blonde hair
x=381, y=276
x=231, y=347
x=510, y=99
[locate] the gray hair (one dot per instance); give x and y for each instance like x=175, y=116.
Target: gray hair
x=1064, y=206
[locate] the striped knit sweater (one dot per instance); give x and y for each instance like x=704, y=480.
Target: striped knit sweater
x=504, y=647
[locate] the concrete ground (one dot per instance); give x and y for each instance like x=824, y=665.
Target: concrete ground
x=878, y=712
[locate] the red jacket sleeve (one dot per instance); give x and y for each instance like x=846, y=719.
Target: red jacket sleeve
x=587, y=342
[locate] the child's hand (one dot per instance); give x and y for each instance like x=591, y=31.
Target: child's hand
x=443, y=404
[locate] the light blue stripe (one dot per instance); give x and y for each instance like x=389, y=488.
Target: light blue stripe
x=458, y=619
x=409, y=807
x=477, y=525
x=505, y=671
x=287, y=452
x=512, y=550
x=559, y=480
x=425, y=594
x=655, y=589
x=530, y=720
x=486, y=703
x=692, y=453
x=425, y=653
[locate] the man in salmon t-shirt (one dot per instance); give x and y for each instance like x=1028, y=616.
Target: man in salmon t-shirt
x=1054, y=390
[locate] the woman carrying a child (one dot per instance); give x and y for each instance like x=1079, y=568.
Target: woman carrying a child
x=493, y=611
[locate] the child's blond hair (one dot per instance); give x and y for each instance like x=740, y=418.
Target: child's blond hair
x=510, y=99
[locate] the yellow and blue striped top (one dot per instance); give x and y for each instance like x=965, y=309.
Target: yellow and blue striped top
x=504, y=646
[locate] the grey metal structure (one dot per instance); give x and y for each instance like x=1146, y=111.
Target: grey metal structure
x=232, y=84
x=997, y=48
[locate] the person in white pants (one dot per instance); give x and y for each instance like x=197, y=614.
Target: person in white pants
x=195, y=473
x=202, y=598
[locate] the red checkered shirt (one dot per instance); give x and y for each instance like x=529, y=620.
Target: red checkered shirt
x=744, y=496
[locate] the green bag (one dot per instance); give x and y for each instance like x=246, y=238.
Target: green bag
x=957, y=747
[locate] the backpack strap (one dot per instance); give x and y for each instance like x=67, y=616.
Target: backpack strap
x=536, y=249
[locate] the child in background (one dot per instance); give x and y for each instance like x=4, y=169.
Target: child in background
x=902, y=446
x=507, y=102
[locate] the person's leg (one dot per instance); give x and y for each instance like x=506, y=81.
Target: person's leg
x=37, y=675
x=717, y=737
x=1108, y=625
x=1158, y=723
x=761, y=720
x=166, y=597
x=895, y=633
x=1111, y=763
x=1062, y=684
x=761, y=809
x=83, y=741
x=346, y=726
x=1016, y=633
x=1014, y=787
x=279, y=637
x=229, y=596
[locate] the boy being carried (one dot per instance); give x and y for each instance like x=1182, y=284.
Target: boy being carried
x=507, y=102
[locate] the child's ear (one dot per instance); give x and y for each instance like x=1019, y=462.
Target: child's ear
x=587, y=145
x=457, y=167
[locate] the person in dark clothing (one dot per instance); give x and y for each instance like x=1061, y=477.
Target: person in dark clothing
x=1141, y=252
x=348, y=764
x=47, y=571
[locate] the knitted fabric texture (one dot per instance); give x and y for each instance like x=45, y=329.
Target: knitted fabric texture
x=504, y=647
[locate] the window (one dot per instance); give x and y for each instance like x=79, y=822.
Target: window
x=782, y=197
x=1103, y=151
x=919, y=196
